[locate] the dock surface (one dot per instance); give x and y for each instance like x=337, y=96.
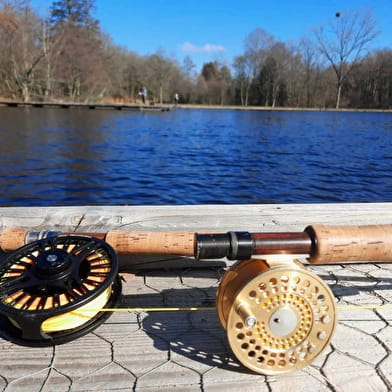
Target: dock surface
x=91, y=106
x=188, y=350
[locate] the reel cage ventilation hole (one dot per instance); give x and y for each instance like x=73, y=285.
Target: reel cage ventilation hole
x=52, y=290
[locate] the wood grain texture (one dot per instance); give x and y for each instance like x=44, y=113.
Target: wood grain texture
x=207, y=218
x=148, y=351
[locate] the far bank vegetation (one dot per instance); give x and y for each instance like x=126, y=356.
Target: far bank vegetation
x=66, y=57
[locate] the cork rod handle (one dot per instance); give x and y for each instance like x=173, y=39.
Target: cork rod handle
x=173, y=243
x=335, y=244
x=12, y=238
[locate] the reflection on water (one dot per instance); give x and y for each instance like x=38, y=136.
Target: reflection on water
x=63, y=157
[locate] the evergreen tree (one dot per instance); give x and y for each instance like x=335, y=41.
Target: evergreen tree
x=74, y=13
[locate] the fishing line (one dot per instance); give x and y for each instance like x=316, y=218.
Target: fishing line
x=278, y=316
x=78, y=317
x=199, y=309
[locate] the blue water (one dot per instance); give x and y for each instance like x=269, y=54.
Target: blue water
x=67, y=157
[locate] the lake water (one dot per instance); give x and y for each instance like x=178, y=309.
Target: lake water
x=78, y=156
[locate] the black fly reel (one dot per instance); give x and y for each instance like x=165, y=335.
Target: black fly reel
x=53, y=290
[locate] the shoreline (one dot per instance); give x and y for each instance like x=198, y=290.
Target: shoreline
x=169, y=106
x=277, y=109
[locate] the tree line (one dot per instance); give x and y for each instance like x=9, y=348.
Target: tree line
x=67, y=57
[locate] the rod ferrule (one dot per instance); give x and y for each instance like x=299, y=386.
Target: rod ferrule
x=241, y=245
x=232, y=245
x=212, y=246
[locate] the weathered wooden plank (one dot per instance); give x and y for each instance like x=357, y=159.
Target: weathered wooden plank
x=258, y=217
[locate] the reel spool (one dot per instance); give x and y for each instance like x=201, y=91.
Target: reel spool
x=52, y=290
x=278, y=319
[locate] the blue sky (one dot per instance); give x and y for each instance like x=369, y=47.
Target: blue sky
x=208, y=30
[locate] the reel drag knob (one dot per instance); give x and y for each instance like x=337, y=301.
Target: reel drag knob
x=52, y=290
x=278, y=320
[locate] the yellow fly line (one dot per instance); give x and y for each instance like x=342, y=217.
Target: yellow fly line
x=187, y=309
x=75, y=318
x=85, y=313
x=146, y=310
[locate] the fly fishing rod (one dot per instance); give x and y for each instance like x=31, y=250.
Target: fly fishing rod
x=323, y=244
x=278, y=316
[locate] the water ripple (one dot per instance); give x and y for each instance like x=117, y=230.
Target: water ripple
x=64, y=157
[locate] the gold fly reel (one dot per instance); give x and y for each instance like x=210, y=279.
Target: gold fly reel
x=278, y=317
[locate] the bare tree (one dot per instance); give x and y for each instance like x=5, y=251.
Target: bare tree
x=241, y=77
x=8, y=22
x=158, y=75
x=189, y=68
x=371, y=83
x=8, y=26
x=256, y=43
x=310, y=77
x=344, y=41
x=281, y=56
x=79, y=62
x=132, y=74
x=294, y=75
x=20, y=31
x=116, y=62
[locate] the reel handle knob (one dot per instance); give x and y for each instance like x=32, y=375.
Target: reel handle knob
x=335, y=244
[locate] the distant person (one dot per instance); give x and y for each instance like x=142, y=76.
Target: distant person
x=176, y=98
x=143, y=94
